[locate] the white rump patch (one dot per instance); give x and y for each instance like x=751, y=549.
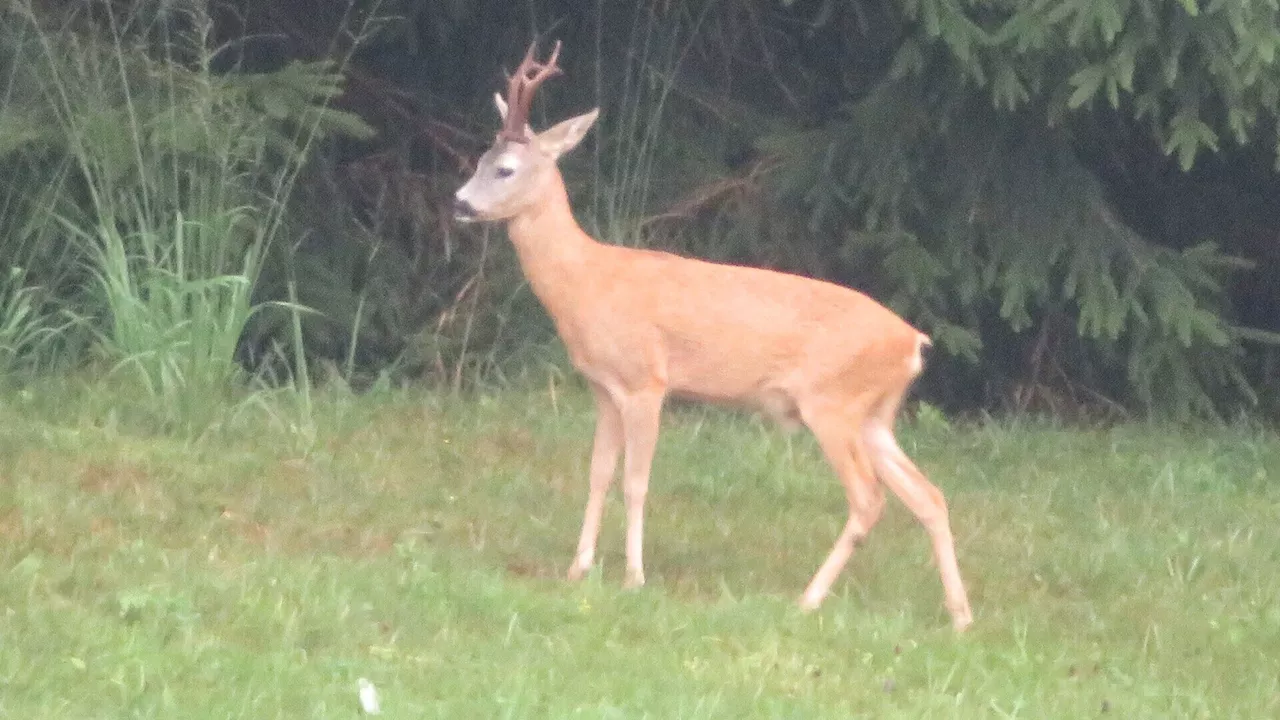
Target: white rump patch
x=915, y=363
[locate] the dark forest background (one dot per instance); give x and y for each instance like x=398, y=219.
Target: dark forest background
x=1078, y=199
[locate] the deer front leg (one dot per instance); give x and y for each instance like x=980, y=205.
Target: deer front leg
x=641, y=416
x=604, y=464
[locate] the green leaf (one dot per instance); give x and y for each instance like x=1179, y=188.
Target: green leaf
x=907, y=61
x=1086, y=83
x=1187, y=134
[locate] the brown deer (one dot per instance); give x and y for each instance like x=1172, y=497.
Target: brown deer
x=641, y=325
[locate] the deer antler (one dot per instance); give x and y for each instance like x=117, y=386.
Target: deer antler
x=520, y=89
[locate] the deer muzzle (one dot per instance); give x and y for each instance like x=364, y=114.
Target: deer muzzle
x=463, y=211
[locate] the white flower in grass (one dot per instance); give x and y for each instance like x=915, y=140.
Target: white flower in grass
x=368, y=697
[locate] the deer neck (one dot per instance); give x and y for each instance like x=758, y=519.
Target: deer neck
x=555, y=253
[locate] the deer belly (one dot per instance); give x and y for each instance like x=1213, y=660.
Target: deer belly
x=777, y=405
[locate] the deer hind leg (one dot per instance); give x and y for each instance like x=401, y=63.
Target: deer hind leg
x=641, y=415
x=925, y=501
x=604, y=464
x=845, y=451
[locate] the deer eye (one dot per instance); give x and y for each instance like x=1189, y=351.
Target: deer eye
x=505, y=172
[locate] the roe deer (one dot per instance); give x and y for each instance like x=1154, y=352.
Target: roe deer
x=641, y=324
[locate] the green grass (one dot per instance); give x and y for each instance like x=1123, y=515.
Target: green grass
x=418, y=540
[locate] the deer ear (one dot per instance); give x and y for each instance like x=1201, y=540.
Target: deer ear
x=565, y=135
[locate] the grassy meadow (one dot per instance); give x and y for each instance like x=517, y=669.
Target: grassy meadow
x=173, y=546
x=417, y=539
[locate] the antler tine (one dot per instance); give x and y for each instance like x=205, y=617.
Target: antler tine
x=542, y=71
x=555, y=55
x=520, y=89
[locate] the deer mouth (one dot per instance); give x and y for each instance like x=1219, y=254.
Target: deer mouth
x=463, y=211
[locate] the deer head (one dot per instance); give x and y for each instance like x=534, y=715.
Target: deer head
x=520, y=167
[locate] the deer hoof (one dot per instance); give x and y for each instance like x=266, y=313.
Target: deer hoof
x=635, y=579
x=808, y=603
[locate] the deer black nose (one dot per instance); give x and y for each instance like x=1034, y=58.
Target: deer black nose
x=463, y=209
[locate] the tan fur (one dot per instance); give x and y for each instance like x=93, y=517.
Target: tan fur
x=641, y=325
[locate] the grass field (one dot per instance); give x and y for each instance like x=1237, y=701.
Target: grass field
x=418, y=540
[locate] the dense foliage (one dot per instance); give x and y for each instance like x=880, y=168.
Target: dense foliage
x=1077, y=199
